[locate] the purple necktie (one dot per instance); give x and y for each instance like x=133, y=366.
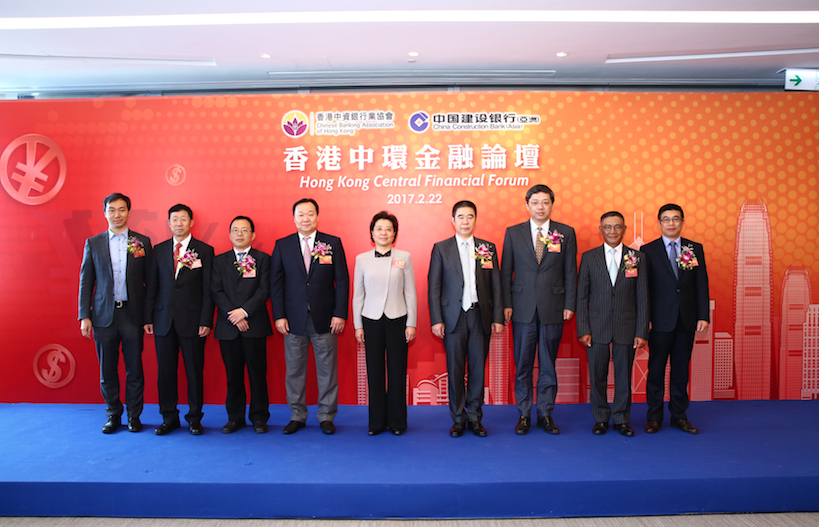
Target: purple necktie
x=307, y=254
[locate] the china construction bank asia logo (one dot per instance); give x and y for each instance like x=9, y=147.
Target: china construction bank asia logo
x=295, y=123
x=32, y=169
x=471, y=121
x=54, y=366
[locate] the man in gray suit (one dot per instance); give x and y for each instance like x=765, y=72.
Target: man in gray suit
x=539, y=278
x=464, y=309
x=612, y=319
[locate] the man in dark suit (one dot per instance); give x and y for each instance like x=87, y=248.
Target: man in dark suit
x=241, y=287
x=464, y=309
x=113, y=280
x=539, y=280
x=182, y=316
x=309, y=290
x=679, y=299
x=612, y=319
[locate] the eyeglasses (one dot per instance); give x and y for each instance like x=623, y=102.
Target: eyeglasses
x=666, y=220
x=240, y=231
x=609, y=228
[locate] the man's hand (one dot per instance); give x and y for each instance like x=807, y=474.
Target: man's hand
x=567, y=315
x=282, y=326
x=497, y=328
x=507, y=314
x=85, y=328
x=336, y=325
x=639, y=343
x=702, y=326
x=235, y=316
x=244, y=326
x=586, y=340
x=438, y=330
x=359, y=335
x=149, y=329
x=409, y=333
x=204, y=331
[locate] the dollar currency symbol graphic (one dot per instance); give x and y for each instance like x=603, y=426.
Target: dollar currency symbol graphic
x=55, y=357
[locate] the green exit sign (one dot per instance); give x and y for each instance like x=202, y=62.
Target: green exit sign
x=806, y=80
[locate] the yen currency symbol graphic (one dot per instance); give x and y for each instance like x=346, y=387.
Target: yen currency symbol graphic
x=57, y=369
x=26, y=180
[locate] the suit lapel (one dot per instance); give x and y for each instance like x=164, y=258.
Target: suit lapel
x=455, y=252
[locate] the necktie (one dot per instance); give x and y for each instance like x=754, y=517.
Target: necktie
x=672, y=256
x=307, y=254
x=613, y=267
x=466, y=301
x=241, y=256
x=539, y=245
x=176, y=256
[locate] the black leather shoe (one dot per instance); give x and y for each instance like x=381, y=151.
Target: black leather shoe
x=457, y=430
x=684, y=425
x=652, y=427
x=540, y=421
x=134, y=424
x=292, y=427
x=550, y=427
x=600, y=428
x=328, y=427
x=375, y=431
x=232, y=426
x=477, y=428
x=260, y=427
x=195, y=428
x=398, y=431
x=624, y=429
x=523, y=426
x=166, y=428
x=111, y=425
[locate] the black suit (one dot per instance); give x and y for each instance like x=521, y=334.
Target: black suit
x=613, y=315
x=231, y=290
x=181, y=304
x=676, y=306
x=116, y=323
x=466, y=333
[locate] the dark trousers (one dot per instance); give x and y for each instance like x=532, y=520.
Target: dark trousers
x=168, y=348
x=238, y=353
x=388, y=396
x=623, y=356
x=677, y=345
x=466, y=346
x=543, y=339
x=107, y=340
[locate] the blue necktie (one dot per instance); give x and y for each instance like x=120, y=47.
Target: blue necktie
x=672, y=256
x=613, y=267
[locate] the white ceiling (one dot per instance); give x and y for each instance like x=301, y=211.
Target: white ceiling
x=517, y=46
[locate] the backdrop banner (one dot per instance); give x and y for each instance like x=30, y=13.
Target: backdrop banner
x=742, y=165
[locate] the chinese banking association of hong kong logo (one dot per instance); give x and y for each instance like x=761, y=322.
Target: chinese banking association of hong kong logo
x=419, y=122
x=176, y=175
x=32, y=169
x=54, y=366
x=295, y=123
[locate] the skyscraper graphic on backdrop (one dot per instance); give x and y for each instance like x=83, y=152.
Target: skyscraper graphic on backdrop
x=568, y=380
x=638, y=238
x=361, y=375
x=795, y=298
x=497, y=371
x=753, y=301
x=724, y=366
x=702, y=363
x=810, y=356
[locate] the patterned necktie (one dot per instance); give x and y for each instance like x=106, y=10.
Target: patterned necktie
x=466, y=300
x=613, y=267
x=539, y=245
x=241, y=256
x=672, y=256
x=307, y=255
x=176, y=256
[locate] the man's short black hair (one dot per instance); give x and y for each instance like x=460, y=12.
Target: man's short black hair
x=670, y=206
x=538, y=189
x=252, y=227
x=610, y=214
x=178, y=208
x=464, y=204
x=114, y=197
x=384, y=215
x=305, y=200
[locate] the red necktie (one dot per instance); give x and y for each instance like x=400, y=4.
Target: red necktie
x=176, y=257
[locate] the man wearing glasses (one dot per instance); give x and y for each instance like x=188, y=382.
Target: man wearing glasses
x=678, y=286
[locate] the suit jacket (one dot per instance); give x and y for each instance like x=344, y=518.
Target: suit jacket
x=549, y=287
x=184, y=300
x=446, y=286
x=381, y=288
x=670, y=298
x=325, y=289
x=231, y=290
x=612, y=313
x=96, y=298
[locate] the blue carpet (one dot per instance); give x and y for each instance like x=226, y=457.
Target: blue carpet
x=751, y=456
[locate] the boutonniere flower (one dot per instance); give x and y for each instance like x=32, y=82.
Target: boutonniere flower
x=135, y=247
x=246, y=265
x=188, y=259
x=631, y=260
x=687, y=260
x=552, y=239
x=483, y=253
x=321, y=249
